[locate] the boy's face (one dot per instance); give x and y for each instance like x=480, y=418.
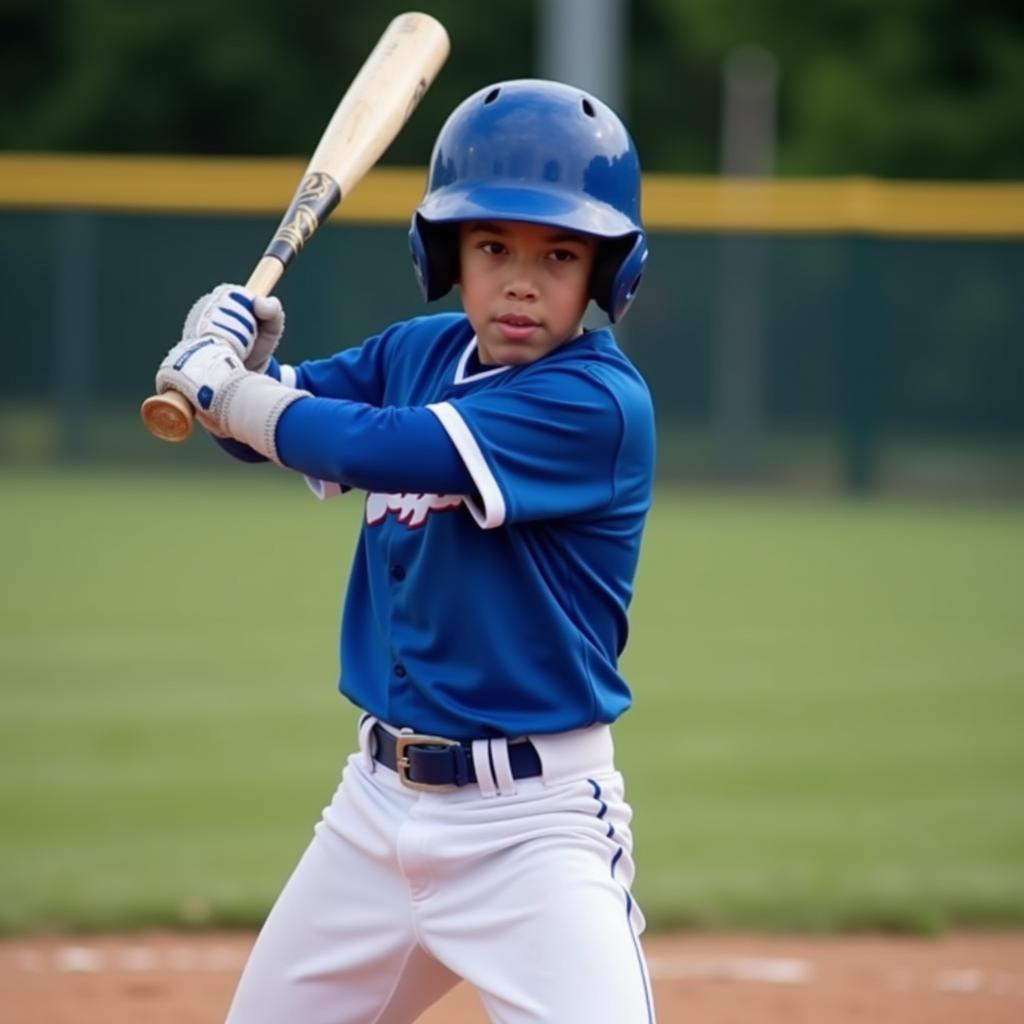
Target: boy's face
x=524, y=287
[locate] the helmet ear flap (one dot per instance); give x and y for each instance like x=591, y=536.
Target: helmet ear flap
x=617, y=272
x=435, y=256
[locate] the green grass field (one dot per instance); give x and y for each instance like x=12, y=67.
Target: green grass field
x=827, y=734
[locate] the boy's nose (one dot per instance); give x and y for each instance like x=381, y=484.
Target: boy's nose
x=520, y=289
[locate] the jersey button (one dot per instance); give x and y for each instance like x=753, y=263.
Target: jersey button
x=400, y=671
x=397, y=573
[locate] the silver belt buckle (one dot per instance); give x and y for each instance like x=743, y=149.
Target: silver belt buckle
x=414, y=739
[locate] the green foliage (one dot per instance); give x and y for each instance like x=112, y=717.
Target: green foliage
x=234, y=77
x=922, y=88
x=826, y=732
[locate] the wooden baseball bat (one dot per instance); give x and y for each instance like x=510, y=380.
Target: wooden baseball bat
x=378, y=102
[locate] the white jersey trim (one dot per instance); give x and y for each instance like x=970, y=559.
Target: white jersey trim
x=460, y=370
x=493, y=512
x=324, y=489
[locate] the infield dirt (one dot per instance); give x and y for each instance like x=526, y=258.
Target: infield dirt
x=175, y=978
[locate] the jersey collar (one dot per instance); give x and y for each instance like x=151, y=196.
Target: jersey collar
x=461, y=375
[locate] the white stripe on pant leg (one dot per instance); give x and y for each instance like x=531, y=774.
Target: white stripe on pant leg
x=630, y=906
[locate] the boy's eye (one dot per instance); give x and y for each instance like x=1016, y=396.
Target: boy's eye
x=561, y=255
x=492, y=248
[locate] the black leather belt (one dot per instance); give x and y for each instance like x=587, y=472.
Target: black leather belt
x=436, y=763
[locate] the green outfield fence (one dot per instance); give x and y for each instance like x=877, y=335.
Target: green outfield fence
x=849, y=333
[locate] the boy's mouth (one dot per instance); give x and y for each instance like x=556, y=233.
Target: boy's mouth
x=518, y=320
x=516, y=326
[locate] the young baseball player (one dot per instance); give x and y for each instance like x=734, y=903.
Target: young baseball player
x=506, y=454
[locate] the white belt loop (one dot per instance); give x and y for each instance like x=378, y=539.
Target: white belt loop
x=367, y=742
x=482, y=765
x=498, y=750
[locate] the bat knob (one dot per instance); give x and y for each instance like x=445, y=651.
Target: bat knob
x=167, y=416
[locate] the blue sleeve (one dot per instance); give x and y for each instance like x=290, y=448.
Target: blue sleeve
x=355, y=374
x=390, y=450
x=565, y=442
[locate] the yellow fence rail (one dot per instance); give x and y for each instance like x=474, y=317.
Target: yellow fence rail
x=388, y=195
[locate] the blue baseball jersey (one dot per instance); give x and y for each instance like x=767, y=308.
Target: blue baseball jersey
x=502, y=529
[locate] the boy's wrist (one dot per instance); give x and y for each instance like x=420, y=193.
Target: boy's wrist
x=254, y=408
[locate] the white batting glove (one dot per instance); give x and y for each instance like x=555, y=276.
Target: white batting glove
x=230, y=400
x=252, y=324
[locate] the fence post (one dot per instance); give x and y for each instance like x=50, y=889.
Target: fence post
x=742, y=297
x=860, y=369
x=585, y=43
x=74, y=326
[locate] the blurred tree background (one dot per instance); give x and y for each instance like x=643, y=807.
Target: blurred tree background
x=926, y=89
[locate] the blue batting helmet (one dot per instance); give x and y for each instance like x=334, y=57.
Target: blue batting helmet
x=542, y=152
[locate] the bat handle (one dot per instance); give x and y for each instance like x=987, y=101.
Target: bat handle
x=265, y=275
x=169, y=416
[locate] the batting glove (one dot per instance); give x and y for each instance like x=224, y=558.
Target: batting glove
x=252, y=324
x=230, y=400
